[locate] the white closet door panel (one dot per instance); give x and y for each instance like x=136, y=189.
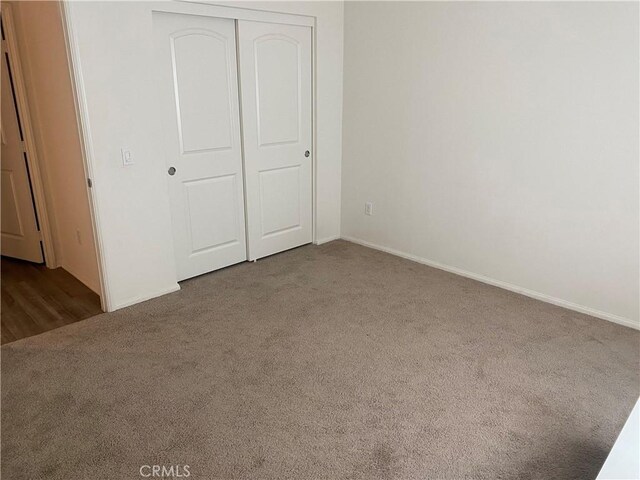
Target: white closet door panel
x=279, y=200
x=275, y=75
x=197, y=71
x=202, y=91
x=277, y=90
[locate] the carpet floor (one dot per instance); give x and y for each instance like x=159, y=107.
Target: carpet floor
x=324, y=362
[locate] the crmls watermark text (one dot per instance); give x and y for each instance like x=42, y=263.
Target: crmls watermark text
x=164, y=471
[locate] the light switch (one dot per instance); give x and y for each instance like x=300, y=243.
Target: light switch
x=368, y=208
x=127, y=158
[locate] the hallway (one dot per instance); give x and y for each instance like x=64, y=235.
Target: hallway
x=36, y=299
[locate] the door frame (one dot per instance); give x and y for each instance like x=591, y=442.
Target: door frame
x=10, y=46
x=188, y=7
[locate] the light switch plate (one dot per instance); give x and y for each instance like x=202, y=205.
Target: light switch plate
x=127, y=158
x=368, y=208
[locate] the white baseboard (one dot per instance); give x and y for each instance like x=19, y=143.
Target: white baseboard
x=497, y=283
x=143, y=298
x=327, y=239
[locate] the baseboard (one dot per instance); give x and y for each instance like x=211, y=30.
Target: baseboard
x=144, y=298
x=497, y=283
x=327, y=239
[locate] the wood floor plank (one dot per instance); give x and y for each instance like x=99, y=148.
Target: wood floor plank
x=36, y=299
x=30, y=308
x=6, y=336
x=19, y=323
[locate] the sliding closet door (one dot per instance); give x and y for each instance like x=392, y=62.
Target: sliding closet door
x=275, y=78
x=197, y=75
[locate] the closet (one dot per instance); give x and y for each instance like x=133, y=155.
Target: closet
x=236, y=124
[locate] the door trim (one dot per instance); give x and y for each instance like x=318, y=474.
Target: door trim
x=212, y=9
x=35, y=175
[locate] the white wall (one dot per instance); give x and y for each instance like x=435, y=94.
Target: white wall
x=115, y=45
x=43, y=57
x=500, y=139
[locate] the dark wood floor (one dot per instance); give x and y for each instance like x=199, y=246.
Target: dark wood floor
x=36, y=299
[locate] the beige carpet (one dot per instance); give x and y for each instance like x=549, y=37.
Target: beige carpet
x=322, y=362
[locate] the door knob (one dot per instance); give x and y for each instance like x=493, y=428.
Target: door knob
x=172, y=171
x=307, y=153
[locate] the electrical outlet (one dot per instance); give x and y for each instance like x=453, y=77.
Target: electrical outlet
x=78, y=237
x=368, y=208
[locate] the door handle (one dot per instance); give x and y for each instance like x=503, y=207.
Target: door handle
x=307, y=153
x=172, y=170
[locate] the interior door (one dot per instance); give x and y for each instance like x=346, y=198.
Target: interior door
x=19, y=225
x=197, y=75
x=275, y=76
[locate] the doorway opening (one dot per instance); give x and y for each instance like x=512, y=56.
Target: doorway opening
x=49, y=271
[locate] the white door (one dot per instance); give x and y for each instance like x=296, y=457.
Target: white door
x=275, y=79
x=20, y=235
x=197, y=75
